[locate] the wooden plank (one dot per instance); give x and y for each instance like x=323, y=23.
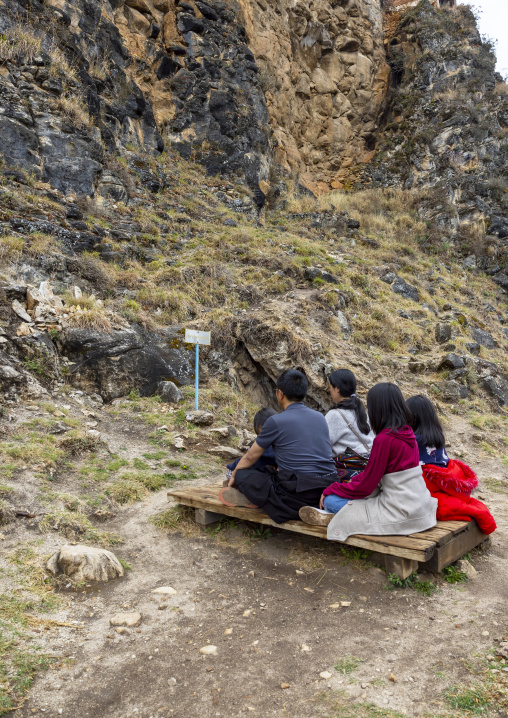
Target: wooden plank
x=206, y=497
x=455, y=548
x=401, y=567
x=440, y=536
x=454, y=526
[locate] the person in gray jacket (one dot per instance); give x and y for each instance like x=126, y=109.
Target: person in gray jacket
x=350, y=434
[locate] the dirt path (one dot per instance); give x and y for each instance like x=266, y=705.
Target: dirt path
x=265, y=603
x=290, y=636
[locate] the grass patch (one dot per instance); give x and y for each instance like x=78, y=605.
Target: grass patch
x=347, y=665
x=116, y=464
x=125, y=491
x=176, y=518
x=427, y=588
x=20, y=657
x=77, y=527
x=451, y=574
x=475, y=699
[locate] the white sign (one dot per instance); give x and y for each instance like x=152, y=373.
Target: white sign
x=192, y=336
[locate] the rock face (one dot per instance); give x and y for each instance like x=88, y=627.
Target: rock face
x=445, y=124
x=324, y=74
x=85, y=563
x=148, y=71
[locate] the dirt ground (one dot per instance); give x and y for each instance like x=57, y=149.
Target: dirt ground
x=265, y=603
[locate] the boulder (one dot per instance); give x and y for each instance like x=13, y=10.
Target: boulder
x=452, y=361
x=85, y=563
x=245, y=439
x=111, y=364
x=484, y=338
x=400, y=286
x=227, y=452
x=453, y=391
x=20, y=310
x=473, y=347
x=389, y=278
x=443, y=333
x=497, y=386
x=169, y=392
x=344, y=324
x=312, y=273
x=502, y=280
x=199, y=417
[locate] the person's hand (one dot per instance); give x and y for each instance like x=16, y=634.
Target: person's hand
x=231, y=482
x=322, y=502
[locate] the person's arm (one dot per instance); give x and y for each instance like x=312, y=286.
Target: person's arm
x=363, y=484
x=254, y=453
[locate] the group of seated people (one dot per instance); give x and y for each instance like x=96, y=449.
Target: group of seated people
x=384, y=471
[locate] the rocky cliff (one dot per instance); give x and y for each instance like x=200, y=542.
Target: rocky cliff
x=445, y=126
x=266, y=91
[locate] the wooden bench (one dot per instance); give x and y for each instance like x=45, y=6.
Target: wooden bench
x=429, y=550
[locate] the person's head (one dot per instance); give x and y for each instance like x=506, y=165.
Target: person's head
x=261, y=416
x=386, y=408
x=291, y=386
x=343, y=391
x=425, y=421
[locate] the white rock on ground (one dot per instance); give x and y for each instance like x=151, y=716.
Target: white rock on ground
x=467, y=568
x=200, y=417
x=166, y=590
x=130, y=620
x=85, y=563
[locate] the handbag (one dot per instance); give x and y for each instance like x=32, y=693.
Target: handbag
x=350, y=460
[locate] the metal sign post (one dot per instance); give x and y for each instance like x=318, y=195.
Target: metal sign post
x=192, y=336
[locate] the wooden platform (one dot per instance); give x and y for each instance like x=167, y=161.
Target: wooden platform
x=432, y=549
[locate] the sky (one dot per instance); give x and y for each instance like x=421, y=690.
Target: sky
x=494, y=24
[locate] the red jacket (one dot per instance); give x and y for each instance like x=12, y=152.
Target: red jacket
x=452, y=487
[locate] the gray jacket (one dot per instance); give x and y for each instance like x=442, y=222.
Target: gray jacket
x=341, y=436
x=400, y=505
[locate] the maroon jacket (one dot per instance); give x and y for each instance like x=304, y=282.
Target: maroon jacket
x=391, y=451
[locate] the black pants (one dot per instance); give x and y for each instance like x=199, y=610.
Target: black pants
x=282, y=494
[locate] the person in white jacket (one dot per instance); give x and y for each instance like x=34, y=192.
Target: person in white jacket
x=350, y=434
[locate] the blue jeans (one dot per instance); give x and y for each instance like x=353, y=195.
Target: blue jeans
x=334, y=503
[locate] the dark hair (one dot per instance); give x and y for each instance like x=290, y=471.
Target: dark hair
x=425, y=421
x=262, y=415
x=345, y=381
x=387, y=408
x=293, y=384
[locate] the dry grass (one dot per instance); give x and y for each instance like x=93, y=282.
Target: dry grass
x=75, y=110
x=20, y=41
x=86, y=301
x=11, y=248
x=38, y=244
x=24, y=42
x=95, y=318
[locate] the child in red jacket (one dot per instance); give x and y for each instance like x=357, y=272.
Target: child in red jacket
x=449, y=481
